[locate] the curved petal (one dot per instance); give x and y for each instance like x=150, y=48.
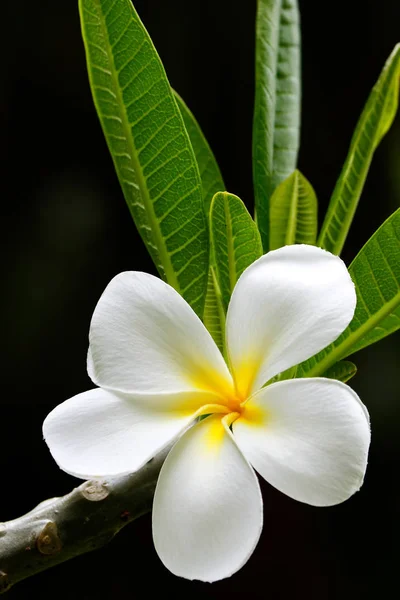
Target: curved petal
x=286, y=306
x=207, y=512
x=309, y=438
x=98, y=434
x=144, y=338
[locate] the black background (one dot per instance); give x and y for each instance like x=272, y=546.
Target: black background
x=67, y=231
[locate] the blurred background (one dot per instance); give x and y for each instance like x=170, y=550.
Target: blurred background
x=67, y=232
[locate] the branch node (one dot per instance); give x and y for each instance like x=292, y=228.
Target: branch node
x=95, y=490
x=4, y=582
x=48, y=541
x=60, y=528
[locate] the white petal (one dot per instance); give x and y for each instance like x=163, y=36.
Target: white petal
x=98, y=433
x=144, y=338
x=309, y=438
x=286, y=306
x=207, y=512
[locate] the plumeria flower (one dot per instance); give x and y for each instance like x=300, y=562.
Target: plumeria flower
x=158, y=369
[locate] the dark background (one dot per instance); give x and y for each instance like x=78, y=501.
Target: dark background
x=67, y=232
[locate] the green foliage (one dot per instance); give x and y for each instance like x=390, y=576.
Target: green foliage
x=344, y=370
x=290, y=373
x=235, y=240
x=293, y=212
x=149, y=144
x=376, y=274
x=214, y=313
x=212, y=182
x=374, y=122
x=210, y=175
x=276, y=126
x=171, y=180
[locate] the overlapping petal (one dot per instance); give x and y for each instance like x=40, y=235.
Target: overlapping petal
x=98, y=433
x=286, y=306
x=144, y=338
x=309, y=438
x=207, y=512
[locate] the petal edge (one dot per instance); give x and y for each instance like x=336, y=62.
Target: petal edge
x=98, y=434
x=313, y=441
x=207, y=512
x=145, y=338
x=287, y=306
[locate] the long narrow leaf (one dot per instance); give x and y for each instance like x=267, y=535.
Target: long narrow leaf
x=376, y=274
x=214, y=313
x=210, y=174
x=344, y=370
x=276, y=126
x=374, y=122
x=212, y=182
x=293, y=212
x=235, y=239
x=148, y=142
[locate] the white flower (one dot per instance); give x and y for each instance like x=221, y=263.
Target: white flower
x=158, y=368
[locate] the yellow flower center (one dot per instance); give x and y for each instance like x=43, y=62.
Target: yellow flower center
x=216, y=431
x=232, y=404
x=231, y=398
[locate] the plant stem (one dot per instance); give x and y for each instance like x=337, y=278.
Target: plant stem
x=85, y=519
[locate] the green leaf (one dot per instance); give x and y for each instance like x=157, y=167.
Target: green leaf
x=235, y=240
x=210, y=175
x=212, y=182
x=149, y=144
x=214, y=313
x=290, y=373
x=376, y=274
x=276, y=126
x=374, y=122
x=293, y=212
x=344, y=370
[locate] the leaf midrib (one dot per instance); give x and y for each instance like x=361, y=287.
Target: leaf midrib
x=355, y=141
x=155, y=229
x=340, y=351
x=220, y=309
x=292, y=223
x=231, y=247
x=348, y=218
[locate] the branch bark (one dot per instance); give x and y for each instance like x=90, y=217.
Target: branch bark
x=85, y=519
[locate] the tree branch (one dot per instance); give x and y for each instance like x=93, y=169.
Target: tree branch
x=85, y=519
